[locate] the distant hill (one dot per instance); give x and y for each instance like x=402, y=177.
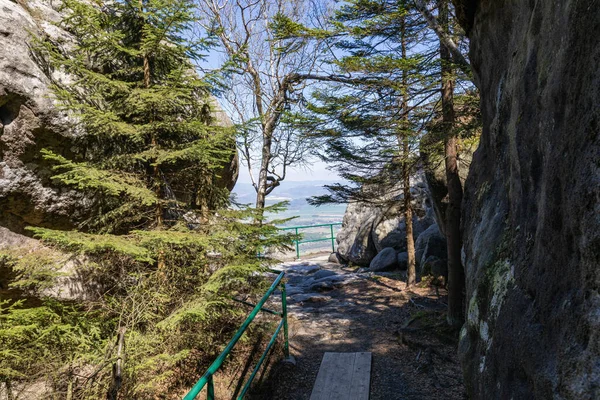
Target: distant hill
x=289, y=190
x=296, y=192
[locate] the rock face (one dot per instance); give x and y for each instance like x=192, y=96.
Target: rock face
x=532, y=203
x=402, y=259
x=30, y=121
x=354, y=239
x=369, y=228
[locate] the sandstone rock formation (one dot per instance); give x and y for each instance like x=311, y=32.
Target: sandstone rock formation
x=532, y=204
x=30, y=121
x=430, y=243
x=354, y=239
x=402, y=259
x=385, y=260
x=367, y=228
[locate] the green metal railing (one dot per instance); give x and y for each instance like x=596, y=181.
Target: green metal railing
x=207, y=378
x=298, y=242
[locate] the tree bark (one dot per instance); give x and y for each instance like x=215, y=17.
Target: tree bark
x=261, y=190
x=456, y=275
x=113, y=391
x=411, y=273
x=269, y=125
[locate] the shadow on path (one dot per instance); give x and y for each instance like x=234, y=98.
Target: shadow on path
x=332, y=309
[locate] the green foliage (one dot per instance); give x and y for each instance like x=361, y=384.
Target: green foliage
x=284, y=27
x=169, y=288
x=33, y=270
x=85, y=177
x=385, y=93
x=143, y=112
x=91, y=244
x=47, y=343
x=369, y=124
x=159, y=256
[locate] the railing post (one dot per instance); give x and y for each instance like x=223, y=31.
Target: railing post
x=332, y=239
x=207, y=378
x=286, y=345
x=210, y=393
x=297, y=244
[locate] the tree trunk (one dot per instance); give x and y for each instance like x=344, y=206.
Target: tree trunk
x=113, y=391
x=158, y=211
x=411, y=273
x=456, y=275
x=261, y=190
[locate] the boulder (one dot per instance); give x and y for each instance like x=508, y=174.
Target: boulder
x=430, y=243
x=439, y=267
x=402, y=258
x=322, y=274
x=354, y=240
x=70, y=277
x=385, y=260
x=335, y=258
x=390, y=230
x=30, y=120
x=531, y=211
x=368, y=228
x=435, y=266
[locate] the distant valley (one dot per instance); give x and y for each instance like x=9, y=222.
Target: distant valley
x=296, y=192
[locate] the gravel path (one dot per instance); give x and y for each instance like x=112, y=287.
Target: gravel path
x=335, y=309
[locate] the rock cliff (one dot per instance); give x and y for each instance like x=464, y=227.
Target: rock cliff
x=531, y=214
x=30, y=121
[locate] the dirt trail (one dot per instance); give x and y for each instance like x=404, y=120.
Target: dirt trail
x=335, y=309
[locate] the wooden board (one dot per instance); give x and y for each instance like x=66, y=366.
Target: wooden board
x=343, y=376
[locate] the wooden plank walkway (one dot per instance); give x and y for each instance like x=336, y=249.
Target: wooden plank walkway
x=343, y=376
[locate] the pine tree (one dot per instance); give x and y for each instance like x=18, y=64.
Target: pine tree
x=144, y=112
x=371, y=125
x=394, y=59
